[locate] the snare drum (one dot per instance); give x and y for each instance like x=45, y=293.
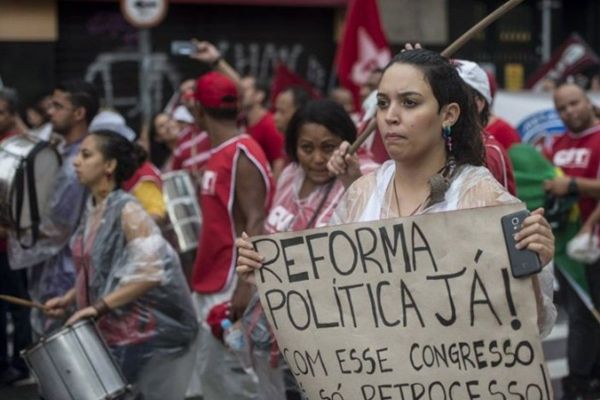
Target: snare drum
x=182, y=209
x=75, y=364
x=28, y=167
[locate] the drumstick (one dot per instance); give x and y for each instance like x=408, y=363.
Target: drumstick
x=21, y=302
x=369, y=128
x=448, y=51
x=481, y=25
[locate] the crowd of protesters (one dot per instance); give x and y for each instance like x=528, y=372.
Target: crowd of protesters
x=260, y=168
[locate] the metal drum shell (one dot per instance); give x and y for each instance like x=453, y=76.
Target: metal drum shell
x=185, y=218
x=46, y=166
x=74, y=363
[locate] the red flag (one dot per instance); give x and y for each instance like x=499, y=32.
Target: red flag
x=572, y=57
x=363, y=46
x=284, y=78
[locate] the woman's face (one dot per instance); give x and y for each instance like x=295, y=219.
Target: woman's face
x=34, y=118
x=174, y=127
x=284, y=110
x=90, y=165
x=161, y=125
x=407, y=114
x=315, y=146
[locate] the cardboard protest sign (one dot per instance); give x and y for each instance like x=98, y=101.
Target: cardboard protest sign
x=415, y=308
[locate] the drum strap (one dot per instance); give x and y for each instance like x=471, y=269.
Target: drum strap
x=25, y=176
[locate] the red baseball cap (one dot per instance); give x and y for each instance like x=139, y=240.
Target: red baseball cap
x=215, y=90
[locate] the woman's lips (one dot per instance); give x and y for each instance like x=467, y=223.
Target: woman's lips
x=394, y=136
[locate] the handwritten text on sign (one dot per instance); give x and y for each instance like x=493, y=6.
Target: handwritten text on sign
x=415, y=308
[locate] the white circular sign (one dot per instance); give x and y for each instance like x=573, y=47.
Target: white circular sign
x=144, y=13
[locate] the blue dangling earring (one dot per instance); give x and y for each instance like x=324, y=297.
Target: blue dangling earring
x=447, y=135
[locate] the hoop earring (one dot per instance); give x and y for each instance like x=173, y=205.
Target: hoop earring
x=447, y=135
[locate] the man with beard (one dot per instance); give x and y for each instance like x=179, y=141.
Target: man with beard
x=577, y=152
x=49, y=261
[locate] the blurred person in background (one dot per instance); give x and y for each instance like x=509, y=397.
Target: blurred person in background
x=343, y=97
x=286, y=103
x=49, y=262
x=496, y=156
x=161, y=148
x=12, y=282
x=577, y=153
x=498, y=127
x=260, y=123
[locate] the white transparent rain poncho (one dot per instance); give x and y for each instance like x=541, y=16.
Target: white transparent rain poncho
x=371, y=198
x=116, y=244
x=50, y=266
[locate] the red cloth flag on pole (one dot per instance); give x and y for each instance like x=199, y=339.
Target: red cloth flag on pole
x=363, y=46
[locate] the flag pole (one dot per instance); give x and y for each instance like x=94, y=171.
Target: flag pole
x=448, y=52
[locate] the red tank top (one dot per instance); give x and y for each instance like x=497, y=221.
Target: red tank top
x=215, y=261
x=146, y=172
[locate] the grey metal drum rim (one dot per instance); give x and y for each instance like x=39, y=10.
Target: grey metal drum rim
x=40, y=345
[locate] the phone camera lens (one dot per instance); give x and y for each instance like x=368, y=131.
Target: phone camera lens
x=515, y=221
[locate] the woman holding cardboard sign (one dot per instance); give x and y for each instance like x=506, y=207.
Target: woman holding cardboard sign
x=430, y=129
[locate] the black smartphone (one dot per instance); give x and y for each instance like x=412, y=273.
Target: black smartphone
x=522, y=262
x=183, y=48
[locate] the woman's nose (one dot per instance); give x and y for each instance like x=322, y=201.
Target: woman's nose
x=391, y=115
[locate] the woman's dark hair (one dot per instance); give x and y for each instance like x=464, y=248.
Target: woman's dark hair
x=129, y=156
x=448, y=87
x=485, y=114
x=327, y=113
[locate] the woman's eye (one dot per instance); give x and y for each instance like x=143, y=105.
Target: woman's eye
x=382, y=103
x=306, y=149
x=409, y=103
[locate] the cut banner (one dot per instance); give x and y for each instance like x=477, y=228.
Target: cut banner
x=422, y=308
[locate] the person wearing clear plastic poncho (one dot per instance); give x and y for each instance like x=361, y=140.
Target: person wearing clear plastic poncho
x=48, y=262
x=128, y=277
x=429, y=127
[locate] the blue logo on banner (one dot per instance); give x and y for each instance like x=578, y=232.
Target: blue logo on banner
x=535, y=128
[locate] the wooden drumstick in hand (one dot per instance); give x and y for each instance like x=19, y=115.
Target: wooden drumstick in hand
x=21, y=302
